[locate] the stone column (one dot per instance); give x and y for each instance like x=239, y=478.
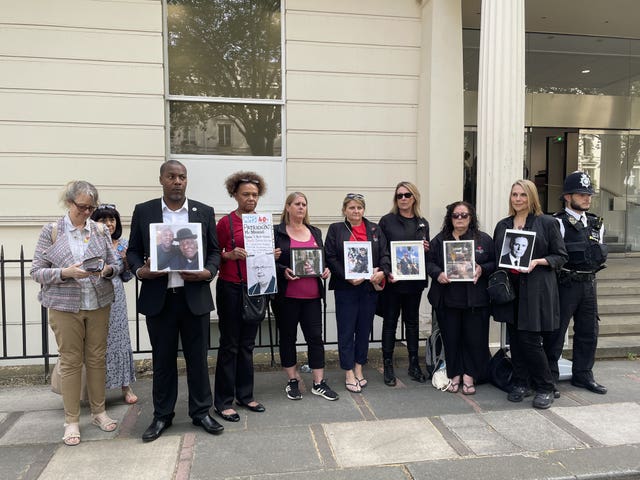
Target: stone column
x=501, y=96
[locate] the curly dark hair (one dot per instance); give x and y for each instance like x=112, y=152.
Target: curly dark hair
x=104, y=211
x=447, y=224
x=233, y=182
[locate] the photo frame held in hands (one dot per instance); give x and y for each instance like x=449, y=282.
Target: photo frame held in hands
x=176, y=247
x=459, y=260
x=358, y=261
x=517, y=249
x=407, y=260
x=307, y=262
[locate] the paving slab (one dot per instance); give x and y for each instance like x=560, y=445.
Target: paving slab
x=121, y=459
x=265, y=451
x=383, y=472
x=530, y=431
x=478, y=435
x=30, y=398
x=611, y=424
x=386, y=442
x=18, y=461
x=607, y=462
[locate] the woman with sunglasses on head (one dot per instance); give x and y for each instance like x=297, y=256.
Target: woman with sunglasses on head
x=74, y=262
x=121, y=371
x=299, y=298
x=404, y=222
x=355, y=299
x=535, y=313
x=234, y=366
x=462, y=307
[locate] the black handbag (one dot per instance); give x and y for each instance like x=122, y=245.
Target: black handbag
x=500, y=370
x=499, y=288
x=254, y=308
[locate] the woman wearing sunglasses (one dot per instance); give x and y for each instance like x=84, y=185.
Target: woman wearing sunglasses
x=355, y=299
x=462, y=307
x=404, y=222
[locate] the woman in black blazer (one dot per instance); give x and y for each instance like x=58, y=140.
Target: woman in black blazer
x=355, y=299
x=299, y=299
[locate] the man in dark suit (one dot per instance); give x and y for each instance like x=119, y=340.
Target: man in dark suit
x=176, y=304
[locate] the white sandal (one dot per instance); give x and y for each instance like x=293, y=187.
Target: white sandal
x=71, y=436
x=103, y=422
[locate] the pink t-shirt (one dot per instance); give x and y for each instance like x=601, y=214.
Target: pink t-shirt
x=306, y=287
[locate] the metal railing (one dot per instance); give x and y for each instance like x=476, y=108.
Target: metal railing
x=267, y=337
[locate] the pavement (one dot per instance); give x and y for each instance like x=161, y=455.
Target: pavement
x=411, y=431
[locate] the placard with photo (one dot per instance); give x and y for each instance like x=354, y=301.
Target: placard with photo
x=358, y=261
x=176, y=247
x=517, y=249
x=261, y=274
x=407, y=260
x=306, y=262
x=459, y=260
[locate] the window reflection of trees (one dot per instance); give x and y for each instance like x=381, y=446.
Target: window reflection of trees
x=229, y=49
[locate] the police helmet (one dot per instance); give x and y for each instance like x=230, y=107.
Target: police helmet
x=577, y=182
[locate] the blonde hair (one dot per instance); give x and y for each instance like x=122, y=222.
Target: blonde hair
x=532, y=196
x=416, y=195
x=353, y=197
x=287, y=203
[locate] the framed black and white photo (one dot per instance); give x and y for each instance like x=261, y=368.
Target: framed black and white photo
x=407, y=260
x=459, y=260
x=261, y=274
x=306, y=262
x=517, y=249
x=176, y=247
x=358, y=261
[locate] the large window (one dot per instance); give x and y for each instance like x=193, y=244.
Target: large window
x=225, y=77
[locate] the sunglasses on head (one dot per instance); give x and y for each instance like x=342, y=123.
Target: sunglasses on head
x=403, y=195
x=105, y=206
x=460, y=215
x=355, y=196
x=250, y=180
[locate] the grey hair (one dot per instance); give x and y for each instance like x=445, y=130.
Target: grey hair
x=78, y=187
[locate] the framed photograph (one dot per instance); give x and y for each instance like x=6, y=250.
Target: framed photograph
x=459, y=260
x=176, y=247
x=358, y=262
x=261, y=274
x=407, y=260
x=517, y=249
x=306, y=262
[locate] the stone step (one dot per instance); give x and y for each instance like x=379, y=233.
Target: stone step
x=618, y=304
x=618, y=287
x=619, y=346
x=628, y=324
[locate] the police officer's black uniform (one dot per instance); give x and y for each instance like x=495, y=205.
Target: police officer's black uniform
x=577, y=288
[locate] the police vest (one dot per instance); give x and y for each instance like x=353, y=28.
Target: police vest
x=586, y=253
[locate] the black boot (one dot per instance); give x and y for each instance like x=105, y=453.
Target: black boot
x=414, y=370
x=389, y=375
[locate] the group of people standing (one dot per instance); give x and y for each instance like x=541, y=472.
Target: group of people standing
x=87, y=309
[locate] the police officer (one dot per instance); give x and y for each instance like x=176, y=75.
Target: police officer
x=583, y=236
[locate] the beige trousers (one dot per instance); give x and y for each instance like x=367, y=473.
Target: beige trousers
x=81, y=337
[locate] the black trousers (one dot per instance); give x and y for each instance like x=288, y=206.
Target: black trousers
x=308, y=313
x=176, y=321
x=465, y=334
x=409, y=304
x=578, y=300
x=234, y=367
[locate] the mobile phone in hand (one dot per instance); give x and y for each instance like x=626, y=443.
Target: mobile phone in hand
x=95, y=264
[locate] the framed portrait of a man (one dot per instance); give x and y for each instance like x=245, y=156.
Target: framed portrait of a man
x=459, y=260
x=306, y=262
x=517, y=249
x=261, y=274
x=176, y=247
x=407, y=260
x=358, y=261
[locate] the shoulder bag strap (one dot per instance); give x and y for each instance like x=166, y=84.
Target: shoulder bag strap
x=233, y=245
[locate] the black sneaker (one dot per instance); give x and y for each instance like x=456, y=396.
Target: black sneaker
x=293, y=392
x=324, y=390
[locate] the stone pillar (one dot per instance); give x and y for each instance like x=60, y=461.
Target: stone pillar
x=440, y=142
x=501, y=96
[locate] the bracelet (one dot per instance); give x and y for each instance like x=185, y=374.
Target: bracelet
x=138, y=276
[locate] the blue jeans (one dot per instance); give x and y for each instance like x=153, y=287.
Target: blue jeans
x=355, y=309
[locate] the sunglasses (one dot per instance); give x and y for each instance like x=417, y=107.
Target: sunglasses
x=105, y=206
x=355, y=196
x=84, y=208
x=400, y=196
x=250, y=180
x=460, y=215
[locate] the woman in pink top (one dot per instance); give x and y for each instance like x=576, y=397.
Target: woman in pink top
x=299, y=298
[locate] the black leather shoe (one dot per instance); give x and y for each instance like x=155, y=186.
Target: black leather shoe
x=556, y=393
x=590, y=385
x=229, y=417
x=389, y=374
x=209, y=425
x=517, y=394
x=259, y=408
x=416, y=374
x=155, y=429
x=543, y=400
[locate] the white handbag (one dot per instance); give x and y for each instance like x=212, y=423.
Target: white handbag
x=440, y=380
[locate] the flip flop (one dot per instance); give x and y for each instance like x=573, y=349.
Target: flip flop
x=71, y=436
x=353, y=387
x=362, y=382
x=129, y=396
x=453, y=388
x=468, y=389
x=103, y=422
